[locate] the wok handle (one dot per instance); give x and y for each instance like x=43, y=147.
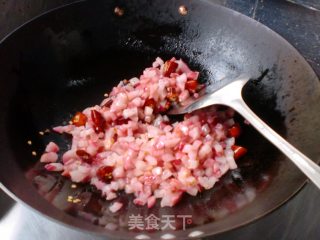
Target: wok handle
x=306, y=165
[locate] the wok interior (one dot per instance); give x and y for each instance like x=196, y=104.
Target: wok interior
x=66, y=60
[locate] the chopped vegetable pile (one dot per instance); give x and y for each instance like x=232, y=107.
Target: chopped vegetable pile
x=128, y=143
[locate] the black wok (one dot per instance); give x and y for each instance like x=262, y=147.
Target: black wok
x=67, y=59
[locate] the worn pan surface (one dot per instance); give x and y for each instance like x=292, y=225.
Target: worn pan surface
x=67, y=59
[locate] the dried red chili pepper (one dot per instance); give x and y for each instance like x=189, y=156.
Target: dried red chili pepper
x=86, y=157
x=79, y=119
x=105, y=174
x=238, y=151
x=191, y=85
x=98, y=121
x=234, y=131
x=169, y=67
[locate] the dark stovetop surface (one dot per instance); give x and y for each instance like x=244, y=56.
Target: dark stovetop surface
x=297, y=219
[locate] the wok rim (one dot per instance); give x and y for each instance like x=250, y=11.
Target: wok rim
x=204, y=227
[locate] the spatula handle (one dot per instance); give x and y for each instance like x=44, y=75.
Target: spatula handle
x=306, y=165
